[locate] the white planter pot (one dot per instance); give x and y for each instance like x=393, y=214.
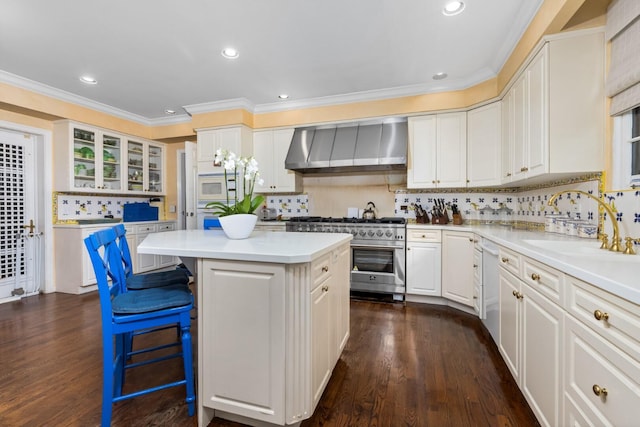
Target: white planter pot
x=238, y=226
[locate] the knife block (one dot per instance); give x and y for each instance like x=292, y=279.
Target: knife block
x=457, y=219
x=422, y=219
x=440, y=219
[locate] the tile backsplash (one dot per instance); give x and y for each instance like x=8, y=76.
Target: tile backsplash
x=68, y=207
x=289, y=206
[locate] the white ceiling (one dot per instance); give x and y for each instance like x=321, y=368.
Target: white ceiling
x=152, y=55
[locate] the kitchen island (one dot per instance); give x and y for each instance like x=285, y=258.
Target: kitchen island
x=273, y=319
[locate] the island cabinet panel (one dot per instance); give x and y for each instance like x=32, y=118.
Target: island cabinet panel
x=271, y=335
x=243, y=339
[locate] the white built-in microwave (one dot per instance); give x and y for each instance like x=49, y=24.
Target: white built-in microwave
x=213, y=188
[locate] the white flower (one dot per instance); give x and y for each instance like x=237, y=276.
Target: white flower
x=260, y=181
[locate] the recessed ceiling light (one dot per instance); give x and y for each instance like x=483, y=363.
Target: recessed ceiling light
x=88, y=80
x=439, y=76
x=283, y=96
x=230, y=53
x=453, y=8
x=169, y=112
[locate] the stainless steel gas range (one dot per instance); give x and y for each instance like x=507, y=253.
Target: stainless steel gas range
x=377, y=250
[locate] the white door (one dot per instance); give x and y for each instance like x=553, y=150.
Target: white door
x=19, y=245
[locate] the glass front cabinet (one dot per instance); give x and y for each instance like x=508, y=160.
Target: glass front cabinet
x=94, y=160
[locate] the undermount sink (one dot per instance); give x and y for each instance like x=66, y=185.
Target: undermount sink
x=583, y=249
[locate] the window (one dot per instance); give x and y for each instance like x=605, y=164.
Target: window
x=626, y=150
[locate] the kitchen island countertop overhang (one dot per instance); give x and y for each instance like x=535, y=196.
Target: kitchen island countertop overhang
x=261, y=246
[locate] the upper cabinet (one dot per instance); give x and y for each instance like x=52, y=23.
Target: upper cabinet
x=555, y=110
x=145, y=167
x=270, y=149
x=237, y=139
x=91, y=159
x=437, y=151
x=484, y=139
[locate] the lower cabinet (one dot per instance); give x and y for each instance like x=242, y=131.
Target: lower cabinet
x=573, y=348
x=457, y=266
x=530, y=341
x=272, y=335
x=73, y=270
x=424, y=254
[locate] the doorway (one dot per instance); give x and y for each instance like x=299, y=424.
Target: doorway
x=25, y=210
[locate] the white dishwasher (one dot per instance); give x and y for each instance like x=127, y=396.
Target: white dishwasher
x=490, y=287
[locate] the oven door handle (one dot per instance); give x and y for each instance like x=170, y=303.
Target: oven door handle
x=360, y=245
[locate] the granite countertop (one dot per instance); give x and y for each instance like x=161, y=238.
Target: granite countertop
x=613, y=272
x=261, y=246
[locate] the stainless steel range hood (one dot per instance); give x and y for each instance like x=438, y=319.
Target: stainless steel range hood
x=366, y=146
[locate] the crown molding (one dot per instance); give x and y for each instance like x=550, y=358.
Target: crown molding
x=377, y=95
x=227, y=104
x=61, y=95
x=170, y=120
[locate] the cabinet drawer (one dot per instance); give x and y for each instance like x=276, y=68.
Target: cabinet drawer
x=166, y=226
x=320, y=269
x=510, y=261
x=422, y=235
x=591, y=363
x=145, y=228
x=619, y=319
x=543, y=279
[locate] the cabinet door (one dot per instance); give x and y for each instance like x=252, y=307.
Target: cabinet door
x=263, y=153
x=86, y=146
x=285, y=180
x=135, y=166
x=421, y=166
x=509, y=322
x=321, y=351
x=341, y=263
x=452, y=150
x=519, y=143
x=423, y=269
x=206, y=146
x=507, y=138
x=484, y=145
x=110, y=174
x=538, y=123
x=154, y=169
x=143, y=262
x=457, y=266
x=541, y=382
x=477, y=283
x=166, y=260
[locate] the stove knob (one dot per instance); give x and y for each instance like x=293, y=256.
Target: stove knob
x=389, y=233
x=371, y=233
x=354, y=232
x=363, y=233
x=379, y=233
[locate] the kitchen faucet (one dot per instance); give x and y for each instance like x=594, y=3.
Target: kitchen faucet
x=616, y=241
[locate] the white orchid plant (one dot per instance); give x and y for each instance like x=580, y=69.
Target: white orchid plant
x=247, y=168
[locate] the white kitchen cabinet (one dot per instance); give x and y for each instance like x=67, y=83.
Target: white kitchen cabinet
x=237, y=139
x=531, y=342
x=477, y=281
x=437, y=151
x=457, y=266
x=145, y=167
x=92, y=159
x=556, y=112
x=271, y=226
x=87, y=158
x=270, y=148
x=508, y=139
x=484, y=145
x=73, y=269
x=424, y=255
x=292, y=319
x=602, y=349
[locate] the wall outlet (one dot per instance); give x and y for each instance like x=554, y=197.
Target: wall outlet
x=172, y=208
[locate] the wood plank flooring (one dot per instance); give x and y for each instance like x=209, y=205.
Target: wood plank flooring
x=413, y=365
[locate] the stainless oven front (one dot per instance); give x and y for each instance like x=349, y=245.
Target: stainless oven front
x=378, y=268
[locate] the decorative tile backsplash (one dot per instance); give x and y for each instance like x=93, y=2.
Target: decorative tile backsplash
x=69, y=207
x=289, y=206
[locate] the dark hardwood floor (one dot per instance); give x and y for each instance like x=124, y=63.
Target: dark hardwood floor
x=419, y=365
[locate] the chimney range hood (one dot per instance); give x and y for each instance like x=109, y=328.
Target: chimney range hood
x=350, y=147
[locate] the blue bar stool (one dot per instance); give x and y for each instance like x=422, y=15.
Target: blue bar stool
x=124, y=312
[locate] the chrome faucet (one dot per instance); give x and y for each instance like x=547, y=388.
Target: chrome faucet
x=616, y=241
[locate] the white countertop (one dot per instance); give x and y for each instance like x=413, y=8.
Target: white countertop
x=261, y=246
x=112, y=223
x=614, y=272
